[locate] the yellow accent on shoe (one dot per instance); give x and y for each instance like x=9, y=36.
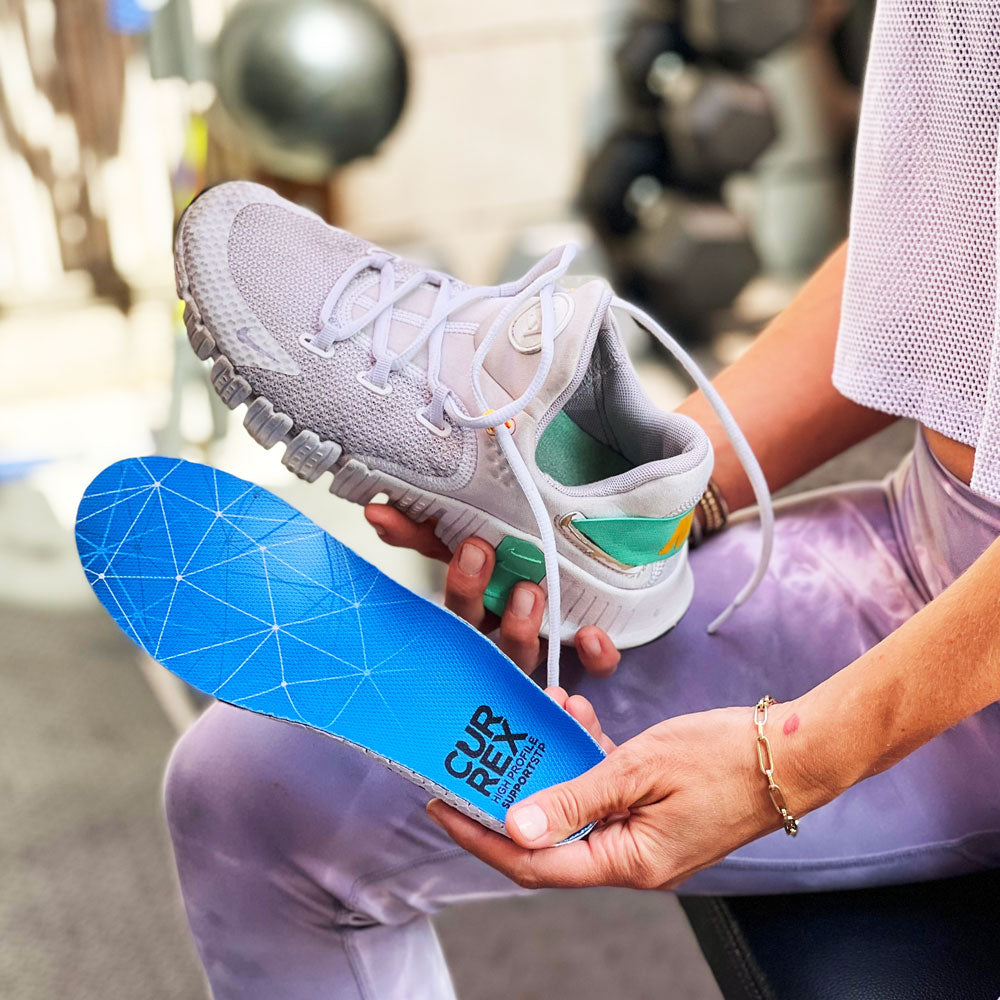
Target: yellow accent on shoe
x=679, y=537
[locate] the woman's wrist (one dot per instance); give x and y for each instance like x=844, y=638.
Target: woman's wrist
x=812, y=759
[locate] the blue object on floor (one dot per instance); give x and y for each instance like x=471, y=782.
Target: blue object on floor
x=19, y=468
x=246, y=599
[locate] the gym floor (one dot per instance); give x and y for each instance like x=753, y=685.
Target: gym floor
x=90, y=907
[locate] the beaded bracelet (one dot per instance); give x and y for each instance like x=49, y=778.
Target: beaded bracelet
x=714, y=514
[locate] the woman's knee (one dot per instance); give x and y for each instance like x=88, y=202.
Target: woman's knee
x=243, y=830
x=195, y=786
x=220, y=785
x=248, y=784
x=243, y=790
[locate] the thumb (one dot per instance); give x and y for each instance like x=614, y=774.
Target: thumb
x=555, y=813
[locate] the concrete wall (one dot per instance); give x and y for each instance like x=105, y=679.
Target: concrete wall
x=503, y=97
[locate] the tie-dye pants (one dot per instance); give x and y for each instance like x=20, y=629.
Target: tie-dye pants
x=308, y=871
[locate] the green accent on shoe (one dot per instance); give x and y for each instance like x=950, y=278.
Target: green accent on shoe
x=637, y=541
x=516, y=560
x=572, y=457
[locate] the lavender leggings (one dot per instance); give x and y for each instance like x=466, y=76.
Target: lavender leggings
x=309, y=872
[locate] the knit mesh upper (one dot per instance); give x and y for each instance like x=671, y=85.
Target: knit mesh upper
x=284, y=265
x=919, y=334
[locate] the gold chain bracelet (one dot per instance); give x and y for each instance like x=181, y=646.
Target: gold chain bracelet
x=766, y=763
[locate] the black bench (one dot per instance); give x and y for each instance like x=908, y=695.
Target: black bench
x=929, y=941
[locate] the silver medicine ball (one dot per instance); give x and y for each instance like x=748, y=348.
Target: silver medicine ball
x=311, y=84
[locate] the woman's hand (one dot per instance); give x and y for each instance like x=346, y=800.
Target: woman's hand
x=469, y=572
x=669, y=802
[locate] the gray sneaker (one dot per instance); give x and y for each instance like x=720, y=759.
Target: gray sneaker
x=509, y=412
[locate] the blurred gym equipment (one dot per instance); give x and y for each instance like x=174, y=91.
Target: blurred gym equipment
x=646, y=38
x=687, y=257
x=630, y=152
x=730, y=153
x=712, y=123
x=744, y=29
x=86, y=104
x=311, y=84
x=850, y=40
x=716, y=122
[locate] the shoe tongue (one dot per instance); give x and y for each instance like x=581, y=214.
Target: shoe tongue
x=515, y=354
x=513, y=359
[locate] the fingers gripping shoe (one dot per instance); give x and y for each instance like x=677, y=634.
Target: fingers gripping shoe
x=509, y=412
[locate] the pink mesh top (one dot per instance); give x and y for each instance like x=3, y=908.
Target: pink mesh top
x=919, y=335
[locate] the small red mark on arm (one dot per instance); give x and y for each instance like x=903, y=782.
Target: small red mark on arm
x=791, y=724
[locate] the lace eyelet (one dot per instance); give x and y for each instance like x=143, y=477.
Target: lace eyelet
x=379, y=390
x=441, y=432
x=306, y=341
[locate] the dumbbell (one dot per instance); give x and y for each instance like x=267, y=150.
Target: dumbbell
x=711, y=124
x=629, y=152
x=686, y=259
x=716, y=122
x=646, y=38
x=743, y=30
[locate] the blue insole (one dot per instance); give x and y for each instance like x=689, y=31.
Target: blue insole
x=246, y=599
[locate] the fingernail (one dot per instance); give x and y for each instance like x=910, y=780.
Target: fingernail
x=433, y=809
x=471, y=560
x=522, y=602
x=591, y=645
x=531, y=821
x=379, y=530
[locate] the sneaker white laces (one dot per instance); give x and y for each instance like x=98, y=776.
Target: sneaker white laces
x=450, y=299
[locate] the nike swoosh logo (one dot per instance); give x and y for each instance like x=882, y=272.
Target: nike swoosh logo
x=265, y=352
x=525, y=331
x=244, y=336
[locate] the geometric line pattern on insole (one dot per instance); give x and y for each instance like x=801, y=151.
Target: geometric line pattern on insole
x=246, y=599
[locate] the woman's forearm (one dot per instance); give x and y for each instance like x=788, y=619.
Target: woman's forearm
x=781, y=394
x=939, y=667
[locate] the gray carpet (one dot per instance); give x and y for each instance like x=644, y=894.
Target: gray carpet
x=588, y=944
x=88, y=907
